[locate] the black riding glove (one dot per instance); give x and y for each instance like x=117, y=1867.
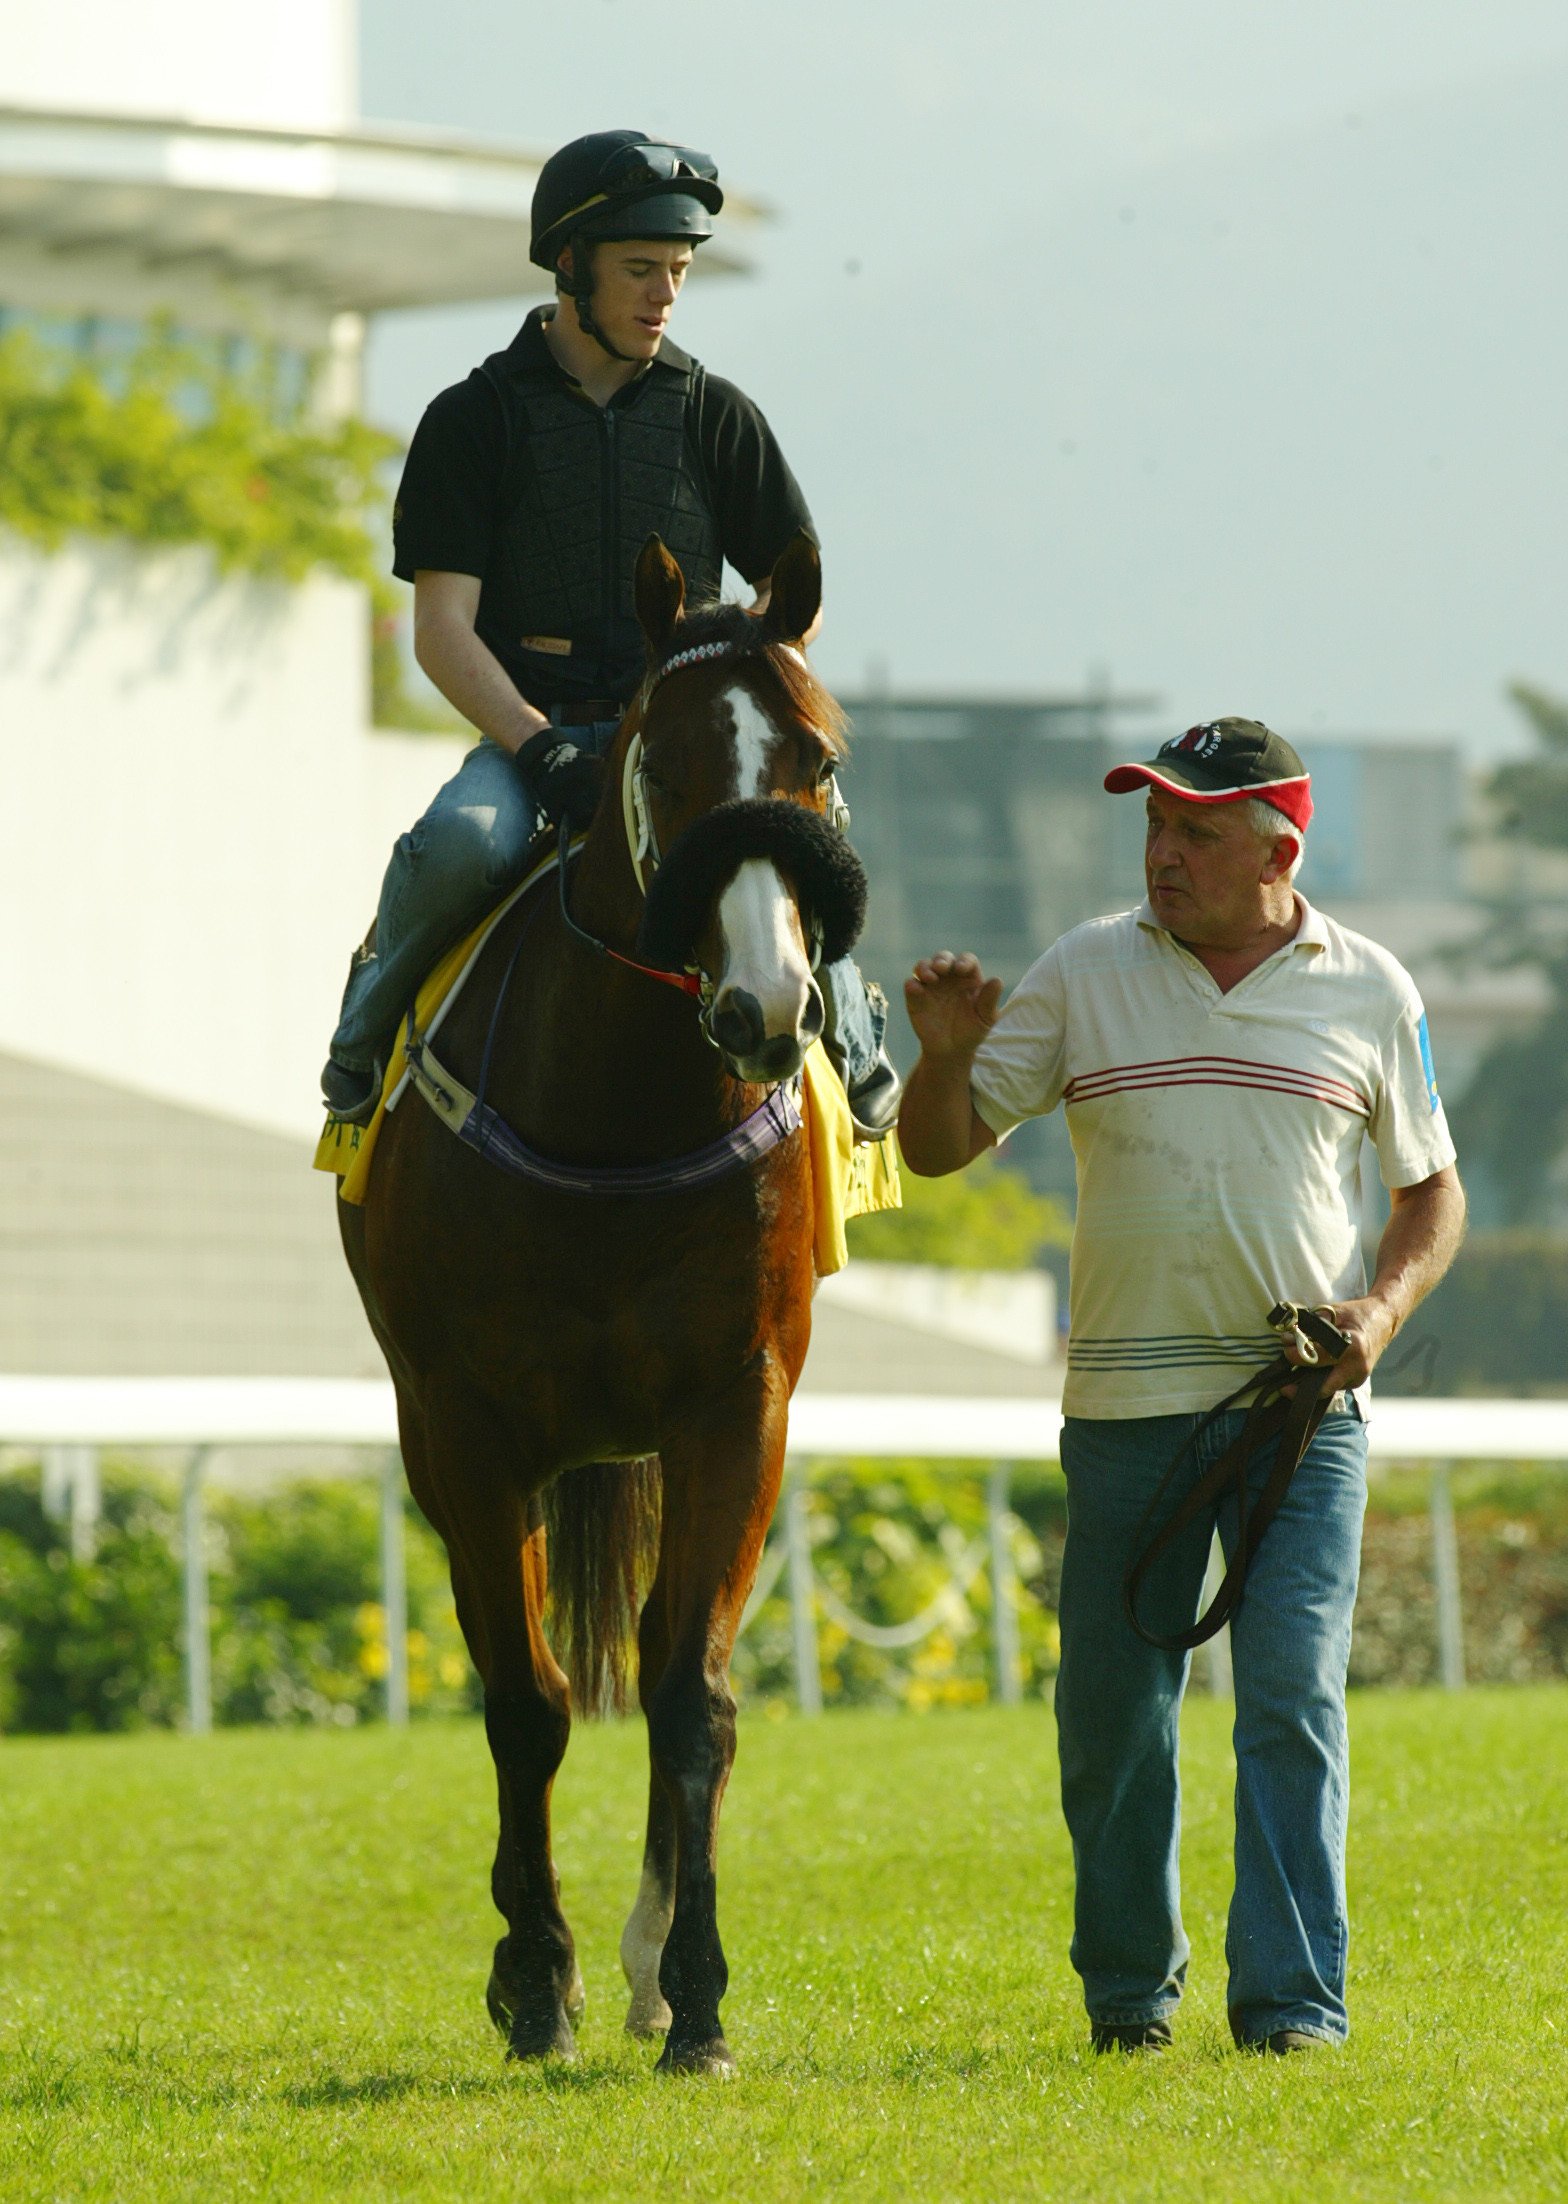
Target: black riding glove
x=564, y=782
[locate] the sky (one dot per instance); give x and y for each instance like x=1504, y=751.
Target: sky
x=1211, y=351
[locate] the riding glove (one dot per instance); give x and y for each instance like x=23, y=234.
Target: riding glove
x=564, y=782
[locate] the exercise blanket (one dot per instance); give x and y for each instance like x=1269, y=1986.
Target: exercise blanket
x=849, y=1179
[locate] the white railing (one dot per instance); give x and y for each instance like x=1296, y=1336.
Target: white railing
x=71, y=1419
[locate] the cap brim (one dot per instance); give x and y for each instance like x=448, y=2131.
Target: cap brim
x=1293, y=797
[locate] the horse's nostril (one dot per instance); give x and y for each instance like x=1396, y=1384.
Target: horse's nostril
x=814, y=1017
x=738, y=1024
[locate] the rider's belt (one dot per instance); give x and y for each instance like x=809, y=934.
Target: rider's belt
x=585, y=711
x=554, y=646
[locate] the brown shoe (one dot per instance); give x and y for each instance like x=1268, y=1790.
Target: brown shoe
x=1284, y=2041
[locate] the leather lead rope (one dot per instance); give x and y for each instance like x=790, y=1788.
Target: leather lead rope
x=1292, y=1421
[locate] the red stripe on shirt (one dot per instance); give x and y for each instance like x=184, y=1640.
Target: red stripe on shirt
x=1219, y=1071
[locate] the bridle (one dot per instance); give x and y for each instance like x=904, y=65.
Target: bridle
x=642, y=837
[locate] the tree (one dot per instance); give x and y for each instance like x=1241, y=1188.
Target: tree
x=985, y=1218
x=1513, y=1118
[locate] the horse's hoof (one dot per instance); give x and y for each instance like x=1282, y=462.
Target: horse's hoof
x=547, y=2038
x=712, y=2057
x=545, y=2042
x=648, y=2016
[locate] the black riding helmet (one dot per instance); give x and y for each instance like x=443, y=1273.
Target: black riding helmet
x=616, y=184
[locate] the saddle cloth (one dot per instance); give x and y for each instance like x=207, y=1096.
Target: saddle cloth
x=849, y=1179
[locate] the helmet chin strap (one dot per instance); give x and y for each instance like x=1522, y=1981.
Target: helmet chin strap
x=579, y=289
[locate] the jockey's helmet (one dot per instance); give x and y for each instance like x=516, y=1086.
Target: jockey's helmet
x=617, y=184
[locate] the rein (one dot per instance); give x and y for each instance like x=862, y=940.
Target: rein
x=1293, y=1421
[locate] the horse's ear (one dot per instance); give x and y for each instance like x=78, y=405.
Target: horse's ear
x=795, y=595
x=660, y=593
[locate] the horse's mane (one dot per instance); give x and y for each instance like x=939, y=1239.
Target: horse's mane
x=744, y=638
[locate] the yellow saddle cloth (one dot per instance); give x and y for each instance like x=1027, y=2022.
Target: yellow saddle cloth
x=849, y=1179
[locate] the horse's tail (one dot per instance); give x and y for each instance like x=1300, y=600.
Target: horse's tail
x=602, y=1533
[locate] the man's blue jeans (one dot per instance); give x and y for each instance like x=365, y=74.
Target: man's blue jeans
x=1117, y=1706
x=456, y=863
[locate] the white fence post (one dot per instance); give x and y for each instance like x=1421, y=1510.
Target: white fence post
x=86, y=1502
x=394, y=1589
x=1004, y=1589
x=802, y=1600
x=198, y=1643
x=1445, y=1573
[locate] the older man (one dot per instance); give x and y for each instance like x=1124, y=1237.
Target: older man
x=1222, y=1053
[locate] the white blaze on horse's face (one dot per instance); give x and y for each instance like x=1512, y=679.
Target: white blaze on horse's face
x=767, y=1007
x=755, y=739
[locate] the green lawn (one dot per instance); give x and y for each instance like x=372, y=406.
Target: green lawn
x=252, y=1965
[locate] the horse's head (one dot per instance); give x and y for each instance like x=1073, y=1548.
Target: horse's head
x=739, y=741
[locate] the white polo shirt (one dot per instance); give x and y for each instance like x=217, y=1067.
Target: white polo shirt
x=1217, y=1137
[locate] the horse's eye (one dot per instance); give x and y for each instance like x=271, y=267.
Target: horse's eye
x=825, y=772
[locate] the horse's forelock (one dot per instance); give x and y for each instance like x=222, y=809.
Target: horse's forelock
x=747, y=642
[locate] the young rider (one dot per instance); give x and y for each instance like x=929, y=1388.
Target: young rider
x=528, y=491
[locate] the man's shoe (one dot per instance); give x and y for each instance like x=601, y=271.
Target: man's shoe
x=1283, y=2042
x=350, y=1094
x=1133, y=2035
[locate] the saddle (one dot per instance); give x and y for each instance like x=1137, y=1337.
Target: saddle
x=848, y=1179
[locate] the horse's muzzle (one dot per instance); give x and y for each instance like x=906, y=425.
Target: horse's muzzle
x=739, y=1030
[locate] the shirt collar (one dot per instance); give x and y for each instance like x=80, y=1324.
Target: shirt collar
x=529, y=351
x=1311, y=933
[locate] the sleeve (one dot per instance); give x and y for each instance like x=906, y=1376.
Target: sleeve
x=1408, y=1128
x=447, y=502
x=1020, y=1069
x=757, y=500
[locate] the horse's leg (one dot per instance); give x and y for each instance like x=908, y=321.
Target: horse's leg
x=647, y=1926
x=721, y=1479
x=498, y=1575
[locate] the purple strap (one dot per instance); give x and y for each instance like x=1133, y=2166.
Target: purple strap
x=752, y=1139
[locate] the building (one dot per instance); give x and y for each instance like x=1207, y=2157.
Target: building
x=198, y=809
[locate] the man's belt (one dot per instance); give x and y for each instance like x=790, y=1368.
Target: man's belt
x=585, y=711
x=1292, y=1419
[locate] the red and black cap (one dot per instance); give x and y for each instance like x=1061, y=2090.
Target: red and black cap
x=1224, y=761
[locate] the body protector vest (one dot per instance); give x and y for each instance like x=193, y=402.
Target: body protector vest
x=584, y=488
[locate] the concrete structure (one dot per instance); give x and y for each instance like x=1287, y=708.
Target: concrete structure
x=198, y=810
x=174, y=156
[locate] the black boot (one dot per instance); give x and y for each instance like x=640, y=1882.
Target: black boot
x=350, y=1094
x=873, y=1104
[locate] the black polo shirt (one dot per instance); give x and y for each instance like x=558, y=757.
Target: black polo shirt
x=448, y=505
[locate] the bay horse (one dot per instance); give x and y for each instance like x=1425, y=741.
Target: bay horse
x=639, y=1346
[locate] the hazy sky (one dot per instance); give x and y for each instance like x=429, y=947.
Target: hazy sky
x=1218, y=348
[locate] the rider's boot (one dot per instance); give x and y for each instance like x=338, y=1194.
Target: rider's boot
x=853, y=1037
x=449, y=869
x=351, y=1090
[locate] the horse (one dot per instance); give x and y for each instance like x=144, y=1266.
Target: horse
x=594, y=1363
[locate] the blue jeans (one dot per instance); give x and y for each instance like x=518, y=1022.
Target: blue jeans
x=456, y=863
x=453, y=865
x=1117, y=1707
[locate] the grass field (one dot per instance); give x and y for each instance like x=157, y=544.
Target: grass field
x=252, y=1965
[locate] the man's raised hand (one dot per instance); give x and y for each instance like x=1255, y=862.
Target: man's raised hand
x=952, y=1005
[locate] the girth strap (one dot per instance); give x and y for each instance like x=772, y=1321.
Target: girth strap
x=1292, y=1421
